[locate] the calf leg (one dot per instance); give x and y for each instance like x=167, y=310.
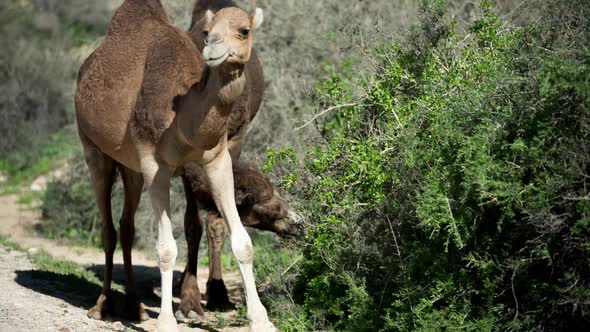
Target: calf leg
x=102, y=176
x=217, y=297
x=133, y=183
x=190, y=295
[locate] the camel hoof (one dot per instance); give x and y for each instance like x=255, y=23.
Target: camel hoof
x=99, y=310
x=143, y=316
x=192, y=315
x=166, y=323
x=179, y=315
x=220, y=306
x=190, y=298
x=95, y=312
x=135, y=310
x=190, y=301
x=217, y=298
x=265, y=326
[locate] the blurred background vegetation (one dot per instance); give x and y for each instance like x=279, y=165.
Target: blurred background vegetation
x=445, y=190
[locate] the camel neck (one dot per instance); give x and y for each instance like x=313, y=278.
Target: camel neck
x=204, y=111
x=227, y=84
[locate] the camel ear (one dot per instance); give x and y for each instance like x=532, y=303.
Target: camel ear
x=244, y=199
x=209, y=16
x=257, y=17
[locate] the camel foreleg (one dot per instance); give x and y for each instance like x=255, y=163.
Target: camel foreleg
x=220, y=176
x=190, y=295
x=217, y=296
x=157, y=178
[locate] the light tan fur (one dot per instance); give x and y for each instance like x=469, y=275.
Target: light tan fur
x=147, y=103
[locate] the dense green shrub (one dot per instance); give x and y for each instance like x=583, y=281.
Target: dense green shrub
x=453, y=194
x=69, y=207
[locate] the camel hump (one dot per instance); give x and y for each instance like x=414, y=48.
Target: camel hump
x=86, y=65
x=173, y=65
x=132, y=13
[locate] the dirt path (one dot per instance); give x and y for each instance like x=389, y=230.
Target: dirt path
x=32, y=300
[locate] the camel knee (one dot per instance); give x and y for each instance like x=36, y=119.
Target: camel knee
x=127, y=232
x=109, y=240
x=167, y=253
x=242, y=247
x=216, y=229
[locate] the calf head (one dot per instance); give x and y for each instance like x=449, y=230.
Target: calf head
x=260, y=205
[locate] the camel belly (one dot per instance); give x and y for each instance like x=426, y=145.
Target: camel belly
x=104, y=117
x=112, y=138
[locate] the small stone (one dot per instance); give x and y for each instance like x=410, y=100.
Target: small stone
x=36, y=187
x=118, y=326
x=33, y=251
x=65, y=329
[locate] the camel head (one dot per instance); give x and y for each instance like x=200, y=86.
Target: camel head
x=267, y=212
x=227, y=35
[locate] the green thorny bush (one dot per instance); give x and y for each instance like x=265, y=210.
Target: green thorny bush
x=453, y=194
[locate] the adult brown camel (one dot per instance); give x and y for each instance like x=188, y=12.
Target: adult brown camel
x=244, y=109
x=147, y=103
x=259, y=205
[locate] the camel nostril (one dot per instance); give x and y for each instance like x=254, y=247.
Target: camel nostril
x=214, y=38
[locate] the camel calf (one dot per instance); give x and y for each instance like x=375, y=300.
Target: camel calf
x=259, y=205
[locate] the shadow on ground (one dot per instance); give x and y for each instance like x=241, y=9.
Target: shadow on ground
x=82, y=293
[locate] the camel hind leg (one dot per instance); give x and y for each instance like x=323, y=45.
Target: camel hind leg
x=133, y=185
x=217, y=297
x=190, y=295
x=102, y=177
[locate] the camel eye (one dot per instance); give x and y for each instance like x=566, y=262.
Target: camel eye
x=244, y=32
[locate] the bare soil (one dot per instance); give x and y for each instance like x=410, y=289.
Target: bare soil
x=35, y=300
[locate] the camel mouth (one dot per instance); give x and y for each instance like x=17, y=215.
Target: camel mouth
x=212, y=62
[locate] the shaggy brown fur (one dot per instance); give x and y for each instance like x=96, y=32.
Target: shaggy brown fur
x=155, y=59
x=260, y=206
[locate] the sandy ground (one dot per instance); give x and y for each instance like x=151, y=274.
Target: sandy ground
x=32, y=300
